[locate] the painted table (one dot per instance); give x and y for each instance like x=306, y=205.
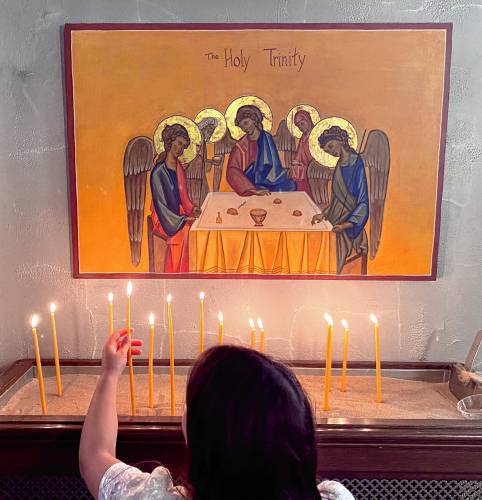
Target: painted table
x=285, y=243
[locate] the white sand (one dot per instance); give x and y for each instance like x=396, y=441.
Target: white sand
x=405, y=399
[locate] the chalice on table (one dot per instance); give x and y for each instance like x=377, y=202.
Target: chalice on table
x=258, y=215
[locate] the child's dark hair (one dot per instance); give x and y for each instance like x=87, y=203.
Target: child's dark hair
x=250, y=429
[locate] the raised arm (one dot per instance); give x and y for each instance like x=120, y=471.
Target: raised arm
x=99, y=434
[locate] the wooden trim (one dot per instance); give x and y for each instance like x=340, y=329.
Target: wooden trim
x=13, y=373
x=232, y=276
x=69, y=102
x=368, y=448
x=388, y=365
x=249, y=26
x=449, y=450
x=443, y=142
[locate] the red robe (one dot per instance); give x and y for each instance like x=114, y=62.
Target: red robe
x=242, y=155
x=303, y=155
x=177, y=252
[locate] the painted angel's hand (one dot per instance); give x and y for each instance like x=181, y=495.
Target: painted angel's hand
x=262, y=192
x=217, y=160
x=317, y=218
x=196, y=212
x=339, y=228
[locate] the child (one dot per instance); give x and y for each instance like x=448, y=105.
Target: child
x=248, y=426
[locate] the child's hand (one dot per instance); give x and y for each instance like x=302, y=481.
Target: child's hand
x=114, y=354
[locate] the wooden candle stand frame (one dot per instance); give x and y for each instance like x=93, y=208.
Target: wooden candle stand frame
x=365, y=448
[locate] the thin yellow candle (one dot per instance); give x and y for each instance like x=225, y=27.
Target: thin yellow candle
x=110, y=298
x=151, y=361
x=129, y=352
x=201, y=322
x=252, y=332
x=345, y=355
x=261, y=335
x=378, y=370
x=171, y=350
x=41, y=386
x=326, y=398
x=220, y=331
x=56, y=349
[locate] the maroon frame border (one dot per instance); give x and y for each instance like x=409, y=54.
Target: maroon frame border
x=69, y=28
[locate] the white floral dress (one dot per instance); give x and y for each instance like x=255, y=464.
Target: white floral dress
x=122, y=481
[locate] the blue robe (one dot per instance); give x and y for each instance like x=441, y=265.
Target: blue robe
x=267, y=171
x=356, y=183
x=349, y=203
x=166, y=199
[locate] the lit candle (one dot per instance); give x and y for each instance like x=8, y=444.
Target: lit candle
x=110, y=298
x=377, y=358
x=171, y=350
x=201, y=323
x=41, y=386
x=151, y=362
x=220, y=333
x=56, y=349
x=252, y=331
x=261, y=334
x=345, y=354
x=129, y=352
x=326, y=399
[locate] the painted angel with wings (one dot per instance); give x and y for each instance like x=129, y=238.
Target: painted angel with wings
x=310, y=175
x=176, y=141
x=353, y=199
x=212, y=125
x=254, y=166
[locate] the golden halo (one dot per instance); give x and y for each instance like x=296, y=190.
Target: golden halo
x=245, y=100
x=290, y=119
x=319, y=154
x=194, y=134
x=220, y=129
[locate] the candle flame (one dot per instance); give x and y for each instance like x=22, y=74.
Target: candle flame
x=251, y=322
x=328, y=319
x=110, y=297
x=169, y=298
x=373, y=318
x=344, y=322
x=151, y=319
x=260, y=323
x=129, y=289
x=52, y=307
x=34, y=321
x=202, y=295
x=220, y=317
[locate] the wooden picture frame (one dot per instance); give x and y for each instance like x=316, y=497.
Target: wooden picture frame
x=98, y=252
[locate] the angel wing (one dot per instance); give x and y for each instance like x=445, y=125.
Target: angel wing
x=224, y=145
x=138, y=158
x=376, y=156
x=285, y=142
x=319, y=177
x=221, y=148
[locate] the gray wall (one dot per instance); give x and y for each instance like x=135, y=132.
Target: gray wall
x=434, y=321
